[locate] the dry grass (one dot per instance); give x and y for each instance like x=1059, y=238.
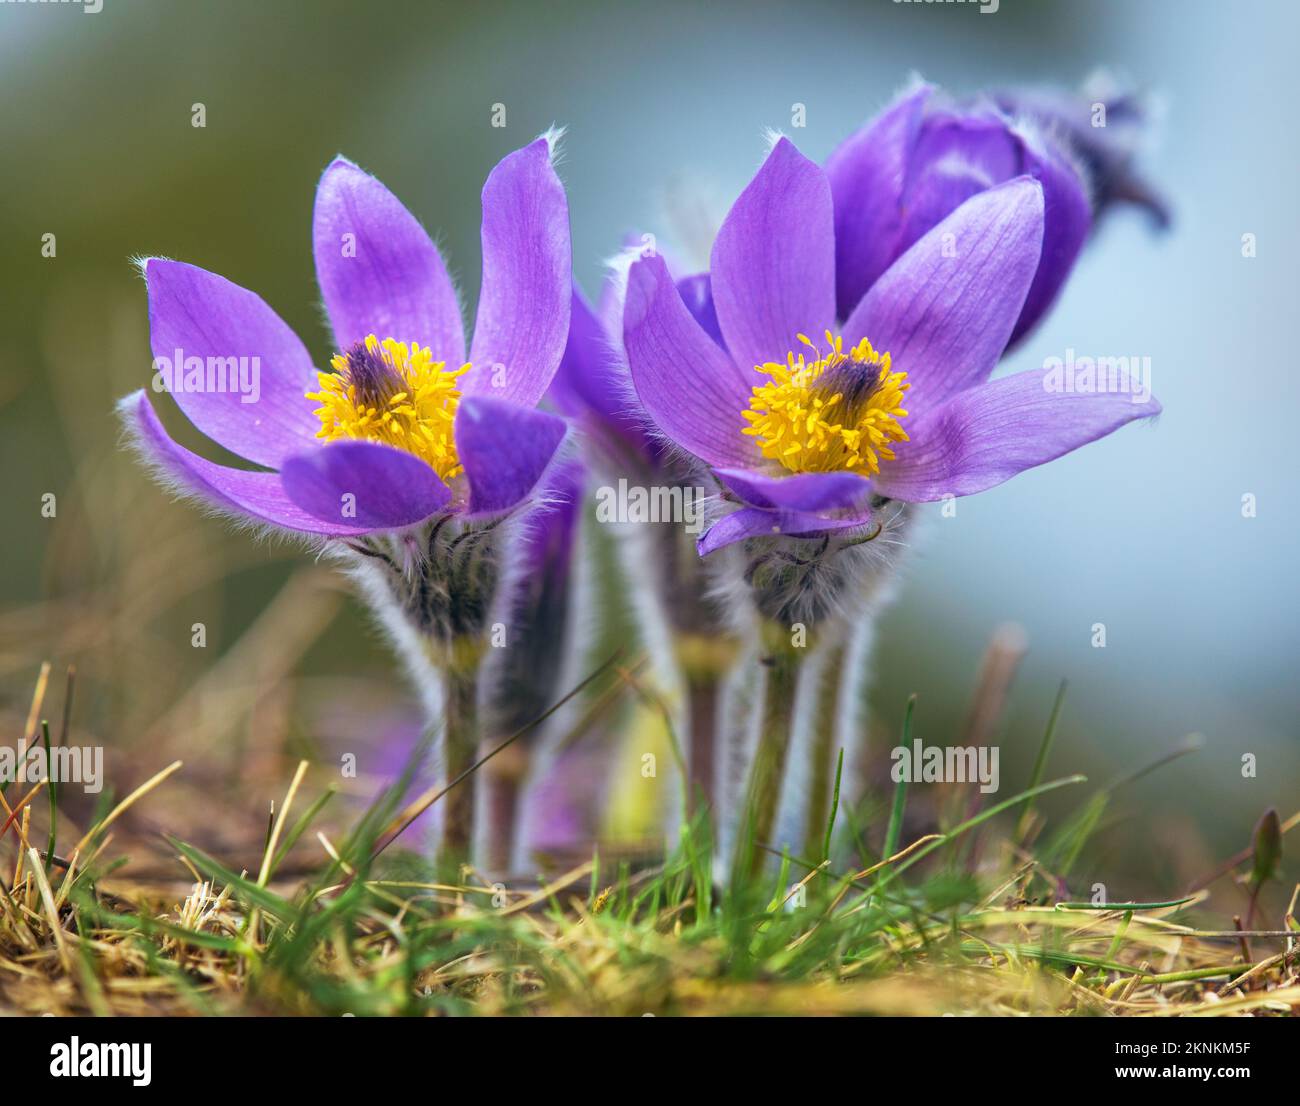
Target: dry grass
x=80, y=936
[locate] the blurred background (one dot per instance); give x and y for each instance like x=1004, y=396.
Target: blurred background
x=665, y=106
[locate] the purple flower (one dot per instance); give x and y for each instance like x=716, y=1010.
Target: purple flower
x=591, y=385
x=404, y=428
x=1104, y=125
x=806, y=431
x=676, y=613
x=565, y=802
x=921, y=158
x=529, y=674
x=532, y=674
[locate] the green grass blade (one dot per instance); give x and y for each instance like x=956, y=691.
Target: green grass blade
x=835, y=806
x=895, y=831
x=1040, y=762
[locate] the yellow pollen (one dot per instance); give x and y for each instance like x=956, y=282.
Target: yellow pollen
x=834, y=413
x=394, y=393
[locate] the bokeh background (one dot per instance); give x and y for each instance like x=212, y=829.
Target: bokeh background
x=666, y=105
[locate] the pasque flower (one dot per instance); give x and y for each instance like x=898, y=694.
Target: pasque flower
x=405, y=428
x=682, y=625
x=590, y=389
x=532, y=673
x=919, y=159
x=821, y=410
x=414, y=464
x=1104, y=124
x=892, y=403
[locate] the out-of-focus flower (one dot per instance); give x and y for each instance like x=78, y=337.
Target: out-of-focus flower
x=1105, y=125
x=590, y=389
x=808, y=432
x=916, y=162
x=531, y=672
x=681, y=623
x=591, y=386
x=404, y=429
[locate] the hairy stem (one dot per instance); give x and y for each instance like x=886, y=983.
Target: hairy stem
x=503, y=780
x=821, y=748
x=460, y=748
x=702, y=710
x=763, y=790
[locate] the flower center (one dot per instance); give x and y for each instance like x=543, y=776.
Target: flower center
x=394, y=393
x=835, y=413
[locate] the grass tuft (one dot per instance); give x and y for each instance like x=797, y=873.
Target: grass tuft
x=333, y=921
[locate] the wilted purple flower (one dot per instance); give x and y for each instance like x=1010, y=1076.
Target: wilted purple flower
x=921, y=158
x=403, y=430
x=806, y=431
x=547, y=546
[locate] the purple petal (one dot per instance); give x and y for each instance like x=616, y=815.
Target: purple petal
x=1108, y=153
x=987, y=435
x=960, y=153
x=773, y=263
x=505, y=449
x=945, y=309
x=258, y=496
x=692, y=390
x=197, y=314
x=866, y=174
x=563, y=799
x=386, y=487
x=1067, y=221
x=755, y=522
x=806, y=491
x=523, y=308
x=591, y=385
x=548, y=543
x=586, y=381
x=956, y=155
x=697, y=294
x=377, y=269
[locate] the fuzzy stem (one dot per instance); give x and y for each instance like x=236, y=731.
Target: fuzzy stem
x=502, y=787
x=853, y=727
x=822, y=749
x=763, y=791
x=737, y=708
x=702, y=710
x=460, y=747
x=704, y=661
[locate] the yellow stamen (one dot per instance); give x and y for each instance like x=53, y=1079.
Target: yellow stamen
x=394, y=393
x=835, y=413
